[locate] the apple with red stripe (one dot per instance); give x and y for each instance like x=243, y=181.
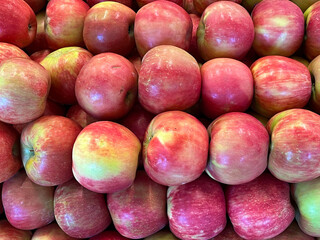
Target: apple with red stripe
x=51, y=231
x=7, y=231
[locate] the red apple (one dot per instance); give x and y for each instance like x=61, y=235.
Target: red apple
x=128, y=3
x=106, y=86
x=314, y=68
x=175, y=148
x=225, y=30
x=193, y=45
x=77, y=114
x=293, y=232
x=260, y=209
x=169, y=79
x=46, y=146
x=197, y=210
x=24, y=87
x=36, y=5
x=40, y=55
x=228, y=233
x=135, y=59
x=163, y=234
x=281, y=83
x=79, y=212
x=1, y=206
x=162, y=23
x=279, y=28
x=8, y=232
x=18, y=24
x=8, y=51
x=109, y=235
x=27, y=205
x=201, y=5
x=108, y=27
x=51, y=232
x=141, y=3
x=64, y=66
x=140, y=210
x=63, y=23
x=227, y=86
x=109, y=162
x=294, y=155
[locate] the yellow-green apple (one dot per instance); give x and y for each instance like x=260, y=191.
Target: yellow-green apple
x=228, y=233
x=280, y=83
x=260, y=209
x=80, y=213
x=10, y=160
x=162, y=23
x=314, y=68
x=24, y=88
x=293, y=232
x=140, y=210
x=8, y=51
x=18, y=24
x=27, y=205
x=188, y=211
x=77, y=114
x=227, y=86
x=106, y=86
x=169, y=79
x=312, y=37
x=108, y=27
x=294, y=155
x=46, y=147
x=278, y=26
x=63, y=23
x=51, y=232
x=306, y=196
x=8, y=232
x=225, y=30
x=238, y=150
x=193, y=50
x=128, y=3
x=201, y=5
x=64, y=66
x=105, y=157
x=163, y=234
x=109, y=235
x=250, y=4
x=304, y=4
x=36, y=5
x=40, y=55
x=175, y=148
x=141, y=3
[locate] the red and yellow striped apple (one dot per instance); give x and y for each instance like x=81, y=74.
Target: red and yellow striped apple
x=8, y=51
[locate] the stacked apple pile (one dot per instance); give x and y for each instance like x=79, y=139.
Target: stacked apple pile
x=183, y=119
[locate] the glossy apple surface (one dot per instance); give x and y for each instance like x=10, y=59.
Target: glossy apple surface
x=8, y=232
x=77, y=114
x=201, y=5
x=311, y=42
x=8, y=50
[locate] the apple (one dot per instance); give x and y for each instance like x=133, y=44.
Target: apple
x=162, y=23
x=197, y=210
x=109, y=235
x=260, y=209
x=250, y=4
x=79, y=212
x=261, y=118
x=225, y=30
x=51, y=232
x=64, y=66
x=8, y=232
x=36, y=5
x=189, y=7
x=163, y=234
x=201, y=5
x=128, y=3
x=18, y=24
x=193, y=45
x=293, y=232
x=306, y=196
x=77, y=114
x=311, y=42
x=106, y=86
x=141, y=3
x=135, y=59
x=227, y=86
x=1, y=206
x=40, y=55
x=46, y=146
x=10, y=160
x=175, y=148
x=109, y=162
x=281, y=83
x=63, y=23
x=140, y=210
x=301, y=59
x=8, y=51
x=169, y=79
x=228, y=233
x=24, y=88
x=108, y=27
x=314, y=68
x=279, y=28
x=27, y=205
x=293, y=155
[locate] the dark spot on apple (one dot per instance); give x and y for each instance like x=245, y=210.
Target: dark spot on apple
x=29, y=27
x=16, y=149
x=115, y=66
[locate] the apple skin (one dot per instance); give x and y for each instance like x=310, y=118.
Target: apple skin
x=25, y=86
x=238, y=151
x=106, y=86
x=281, y=83
x=189, y=7
x=162, y=23
x=79, y=212
x=188, y=212
x=128, y=3
x=314, y=68
x=260, y=209
x=175, y=148
x=136, y=60
x=225, y=30
x=141, y=3
x=117, y=169
x=63, y=23
x=201, y=5
x=77, y=114
x=140, y=210
x=8, y=51
x=293, y=232
x=64, y=66
x=163, y=234
x=36, y=5
x=294, y=155
x=169, y=79
x=227, y=86
x=46, y=146
x=27, y=205
x=311, y=42
x=18, y=24
x=193, y=50
x=51, y=232
x=228, y=233
x=40, y=55
x=279, y=28
x=8, y=232
x=109, y=235
x=106, y=28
